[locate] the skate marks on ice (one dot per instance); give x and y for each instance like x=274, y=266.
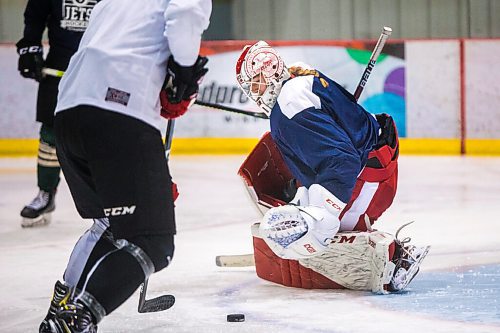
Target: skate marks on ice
x=465, y=294
x=33, y=258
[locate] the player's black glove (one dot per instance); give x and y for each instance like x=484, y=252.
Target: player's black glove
x=181, y=86
x=30, y=63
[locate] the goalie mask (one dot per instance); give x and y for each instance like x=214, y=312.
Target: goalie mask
x=260, y=72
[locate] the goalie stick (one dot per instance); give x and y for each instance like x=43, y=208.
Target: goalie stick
x=386, y=32
x=241, y=260
x=245, y=260
x=163, y=302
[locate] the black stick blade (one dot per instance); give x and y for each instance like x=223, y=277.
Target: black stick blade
x=160, y=303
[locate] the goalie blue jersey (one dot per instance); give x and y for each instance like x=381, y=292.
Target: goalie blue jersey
x=322, y=133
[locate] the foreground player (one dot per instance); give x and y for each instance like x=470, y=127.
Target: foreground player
x=329, y=166
x=64, y=29
x=111, y=153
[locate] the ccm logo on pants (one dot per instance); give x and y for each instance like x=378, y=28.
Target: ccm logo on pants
x=116, y=211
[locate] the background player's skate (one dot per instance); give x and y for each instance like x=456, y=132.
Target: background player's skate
x=39, y=211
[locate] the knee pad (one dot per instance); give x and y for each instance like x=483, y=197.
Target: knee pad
x=159, y=248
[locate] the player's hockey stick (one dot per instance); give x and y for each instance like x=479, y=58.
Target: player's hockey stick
x=230, y=109
x=162, y=302
x=243, y=260
x=52, y=72
x=386, y=32
x=58, y=73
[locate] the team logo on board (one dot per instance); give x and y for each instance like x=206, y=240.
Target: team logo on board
x=76, y=14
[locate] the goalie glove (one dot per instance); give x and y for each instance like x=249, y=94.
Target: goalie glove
x=181, y=87
x=297, y=232
x=30, y=62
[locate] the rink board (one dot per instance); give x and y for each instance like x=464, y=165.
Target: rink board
x=224, y=146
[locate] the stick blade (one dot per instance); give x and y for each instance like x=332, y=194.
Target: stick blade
x=157, y=304
x=238, y=260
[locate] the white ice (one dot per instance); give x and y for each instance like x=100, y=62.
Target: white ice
x=455, y=202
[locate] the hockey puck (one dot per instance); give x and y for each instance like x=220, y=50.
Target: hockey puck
x=236, y=317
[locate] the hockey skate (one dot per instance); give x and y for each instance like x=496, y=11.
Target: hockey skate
x=65, y=315
x=61, y=292
x=407, y=259
x=39, y=211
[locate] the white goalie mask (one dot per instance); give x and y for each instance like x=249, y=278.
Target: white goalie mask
x=260, y=72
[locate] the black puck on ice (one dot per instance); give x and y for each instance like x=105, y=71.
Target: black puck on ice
x=236, y=317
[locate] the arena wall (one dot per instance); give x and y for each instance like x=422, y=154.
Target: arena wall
x=443, y=94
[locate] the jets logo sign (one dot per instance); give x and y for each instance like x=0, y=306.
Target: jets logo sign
x=76, y=14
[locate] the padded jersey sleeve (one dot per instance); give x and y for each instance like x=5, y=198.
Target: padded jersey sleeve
x=185, y=22
x=35, y=20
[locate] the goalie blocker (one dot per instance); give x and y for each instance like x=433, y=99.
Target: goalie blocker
x=358, y=258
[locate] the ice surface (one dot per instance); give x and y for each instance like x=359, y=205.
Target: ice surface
x=455, y=202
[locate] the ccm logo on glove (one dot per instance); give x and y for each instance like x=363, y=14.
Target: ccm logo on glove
x=30, y=49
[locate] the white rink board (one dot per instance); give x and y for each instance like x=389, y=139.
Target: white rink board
x=17, y=98
x=433, y=82
x=483, y=89
x=432, y=90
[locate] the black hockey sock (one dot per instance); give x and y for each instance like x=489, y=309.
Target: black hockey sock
x=48, y=178
x=115, y=279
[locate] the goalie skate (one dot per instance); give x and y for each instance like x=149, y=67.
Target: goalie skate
x=39, y=211
x=407, y=266
x=407, y=259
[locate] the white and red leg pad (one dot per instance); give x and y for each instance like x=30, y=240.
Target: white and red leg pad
x=354, y=260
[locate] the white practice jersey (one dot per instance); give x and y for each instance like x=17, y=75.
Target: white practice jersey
x=121, y=62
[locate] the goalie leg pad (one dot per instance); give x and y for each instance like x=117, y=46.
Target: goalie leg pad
x=288, y=273
x=356, y=260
